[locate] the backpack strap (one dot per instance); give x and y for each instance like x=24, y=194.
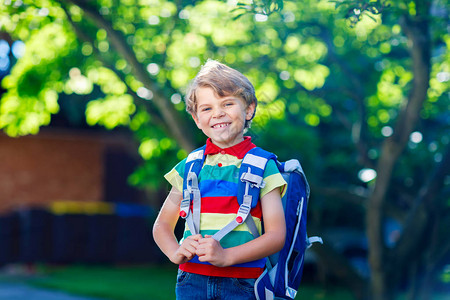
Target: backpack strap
x=294, y=165
x=252, y=174
x=191, y=191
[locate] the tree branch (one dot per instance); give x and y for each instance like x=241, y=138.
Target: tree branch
x=146, y=104
x=118, y=41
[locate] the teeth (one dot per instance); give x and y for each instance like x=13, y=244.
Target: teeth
x=220, y=125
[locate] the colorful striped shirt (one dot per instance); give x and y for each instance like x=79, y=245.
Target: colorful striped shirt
x=218, y=182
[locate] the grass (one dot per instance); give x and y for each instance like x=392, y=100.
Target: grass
x=319, y=293
x=111, y=282
x=153, y=282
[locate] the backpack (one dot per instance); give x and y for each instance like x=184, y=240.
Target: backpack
x=282, y=275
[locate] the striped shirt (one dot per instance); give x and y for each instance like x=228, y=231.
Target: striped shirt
x=218, y=183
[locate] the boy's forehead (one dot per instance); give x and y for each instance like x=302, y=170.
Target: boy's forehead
x=206, y=94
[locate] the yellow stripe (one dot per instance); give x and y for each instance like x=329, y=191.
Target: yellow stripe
x=211, y=221
x=272, y=182
x=175, y=179
x=224, y=159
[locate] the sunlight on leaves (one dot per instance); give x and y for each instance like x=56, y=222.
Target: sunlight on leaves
x=211, y=18
x=148, y=148
x=313, y=78
x=107, y=80
x=390, y=92
x=366, y=25
x=312, y=119
x=112, y=111
x=268, y=90
x=31, y=97
x=78, y=83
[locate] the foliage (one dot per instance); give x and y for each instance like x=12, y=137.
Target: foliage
x=354, y=10
x=333, y=79
x=261, y=7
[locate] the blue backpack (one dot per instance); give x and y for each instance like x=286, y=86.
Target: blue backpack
x=282, y=275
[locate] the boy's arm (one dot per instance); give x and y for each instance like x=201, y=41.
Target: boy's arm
x=163, y=231
x=269, y=243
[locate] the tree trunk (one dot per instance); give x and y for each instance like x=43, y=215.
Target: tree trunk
x=382, y=263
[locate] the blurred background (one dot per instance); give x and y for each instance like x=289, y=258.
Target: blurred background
x=92, y=116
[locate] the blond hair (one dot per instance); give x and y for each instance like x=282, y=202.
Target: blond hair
x=224, y=81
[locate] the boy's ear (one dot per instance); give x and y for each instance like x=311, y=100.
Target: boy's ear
x=250, y=111
x=196, y=120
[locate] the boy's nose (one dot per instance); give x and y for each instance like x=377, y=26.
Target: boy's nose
x=218, y=113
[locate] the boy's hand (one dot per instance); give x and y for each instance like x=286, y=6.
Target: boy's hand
x=187, y=249
x=210, y=250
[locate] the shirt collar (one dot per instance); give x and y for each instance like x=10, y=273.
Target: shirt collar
x=238, y=150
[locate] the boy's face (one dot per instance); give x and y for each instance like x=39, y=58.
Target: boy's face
x=222, y=118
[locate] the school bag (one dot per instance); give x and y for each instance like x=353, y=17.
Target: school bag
x=282, y=275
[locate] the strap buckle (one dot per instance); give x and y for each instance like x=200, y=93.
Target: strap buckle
x=191, y=182
x=191, y=189
x=244, y=209
x=253, y=180
x=185, y=204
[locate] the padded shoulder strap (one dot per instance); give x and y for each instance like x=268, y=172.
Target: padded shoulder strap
x=194, y=163
x=252, y=170
x=191, y=191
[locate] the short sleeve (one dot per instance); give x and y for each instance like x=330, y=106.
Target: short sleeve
x=175, y=176
x=273, y=179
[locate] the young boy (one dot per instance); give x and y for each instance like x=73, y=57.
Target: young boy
x=222, y=103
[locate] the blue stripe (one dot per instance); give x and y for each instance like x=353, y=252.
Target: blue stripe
x=218, y=188
x=260, y=263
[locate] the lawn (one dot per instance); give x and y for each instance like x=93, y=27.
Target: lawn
x=143, y=282
x=110, y=282
x=151, y=282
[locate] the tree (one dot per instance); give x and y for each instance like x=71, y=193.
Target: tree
x=418, y=25
x=386, y=264
x=362, y=96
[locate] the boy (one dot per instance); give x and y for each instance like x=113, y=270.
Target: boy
x=222, y=103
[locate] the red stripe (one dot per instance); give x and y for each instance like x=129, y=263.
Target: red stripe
x=210, y=270
x=225, y=205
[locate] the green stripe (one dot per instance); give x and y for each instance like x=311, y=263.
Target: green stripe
x=226, y=173
x=271, y=168
x=180, y=167
x=232, y=239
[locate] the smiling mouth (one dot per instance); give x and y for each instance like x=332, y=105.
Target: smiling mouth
x=221, y=125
